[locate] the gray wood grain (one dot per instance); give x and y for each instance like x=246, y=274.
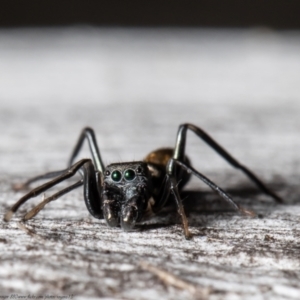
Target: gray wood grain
x=134, y=87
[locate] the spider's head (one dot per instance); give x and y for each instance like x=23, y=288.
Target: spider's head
x=126, y=192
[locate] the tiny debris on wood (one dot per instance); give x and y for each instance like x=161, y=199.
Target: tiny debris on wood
x=171, y=279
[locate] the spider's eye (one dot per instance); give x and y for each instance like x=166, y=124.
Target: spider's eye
x=129, y=175
x=107, y=173
x=116, y=176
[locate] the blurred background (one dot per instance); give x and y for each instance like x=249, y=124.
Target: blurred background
x=231, y=13
x=135, y=70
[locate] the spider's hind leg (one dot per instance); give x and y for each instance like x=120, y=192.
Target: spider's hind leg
x=88, y=134
x=180, y=150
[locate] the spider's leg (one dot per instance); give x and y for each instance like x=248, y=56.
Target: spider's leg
x=180, y=149
x=55, y=196
x=88, y=133
x=173, y=186
x=42, y=188
x=162, y=196
x=25, y=185
x=91, y=193
x=211, y=184
x=92, y=190
x=169, y=185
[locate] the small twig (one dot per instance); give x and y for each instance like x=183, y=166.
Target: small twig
x=30, y=232
x=38, y=238
x=170, y=279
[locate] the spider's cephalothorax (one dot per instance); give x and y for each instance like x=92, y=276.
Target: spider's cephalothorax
x=127, y=193
x=127, y=188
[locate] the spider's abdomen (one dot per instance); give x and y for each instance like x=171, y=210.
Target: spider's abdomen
x=160, y=158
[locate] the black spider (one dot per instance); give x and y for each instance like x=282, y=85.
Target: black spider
x=126, y=193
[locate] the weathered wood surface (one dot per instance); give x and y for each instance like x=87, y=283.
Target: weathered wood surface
x=134, y=88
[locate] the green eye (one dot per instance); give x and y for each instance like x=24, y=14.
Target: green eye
x=116, y=176
x=129, y=175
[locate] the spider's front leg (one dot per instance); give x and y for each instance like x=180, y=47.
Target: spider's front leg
x=86, y=134
x=173, y=186
x=172, y=169
x=92, y=190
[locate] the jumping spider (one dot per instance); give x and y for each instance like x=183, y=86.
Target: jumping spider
x=127, y=193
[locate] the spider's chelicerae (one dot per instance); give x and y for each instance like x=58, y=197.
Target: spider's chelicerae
x=127, y=193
